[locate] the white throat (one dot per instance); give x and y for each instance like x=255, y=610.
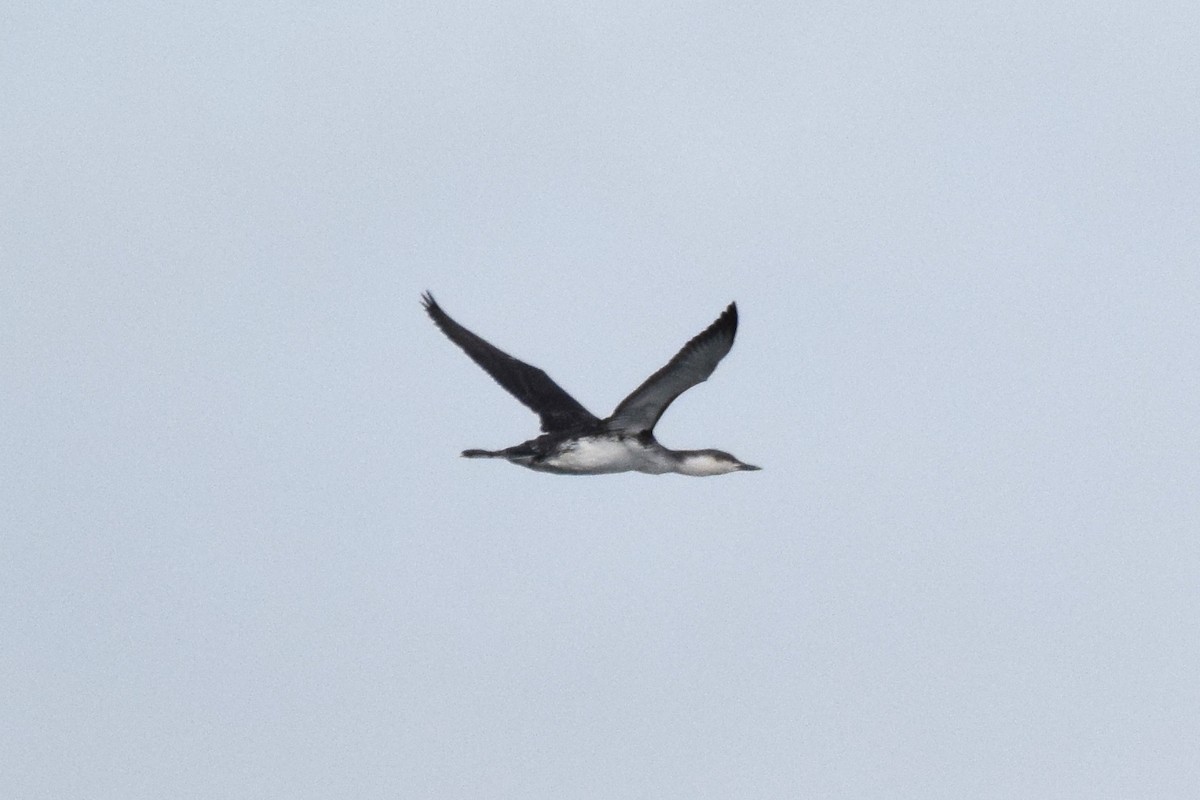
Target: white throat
x=703, y=464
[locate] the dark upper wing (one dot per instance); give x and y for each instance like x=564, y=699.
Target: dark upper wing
x=691, y=365
x=530, y=385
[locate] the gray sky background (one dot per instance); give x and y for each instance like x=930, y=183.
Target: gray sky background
x=241, y=556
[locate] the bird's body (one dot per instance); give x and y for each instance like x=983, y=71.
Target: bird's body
x=575, y=442
x=604, y=452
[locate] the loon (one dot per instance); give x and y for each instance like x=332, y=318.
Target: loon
x=573, y=440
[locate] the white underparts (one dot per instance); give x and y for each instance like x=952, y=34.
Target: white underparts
x=607, y=453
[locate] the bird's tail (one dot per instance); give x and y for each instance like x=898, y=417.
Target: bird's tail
x=482, y=454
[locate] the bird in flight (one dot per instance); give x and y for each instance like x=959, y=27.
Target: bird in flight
x=576, y=442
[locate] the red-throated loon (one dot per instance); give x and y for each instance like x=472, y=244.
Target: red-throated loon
x=574, y=441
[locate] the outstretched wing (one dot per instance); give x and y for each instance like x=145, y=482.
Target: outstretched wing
x=533, y=387
x=691, y=365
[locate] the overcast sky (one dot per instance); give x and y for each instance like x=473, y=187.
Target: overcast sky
x=242, y=558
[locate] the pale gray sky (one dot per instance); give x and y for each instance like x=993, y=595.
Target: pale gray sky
x=241, y=556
